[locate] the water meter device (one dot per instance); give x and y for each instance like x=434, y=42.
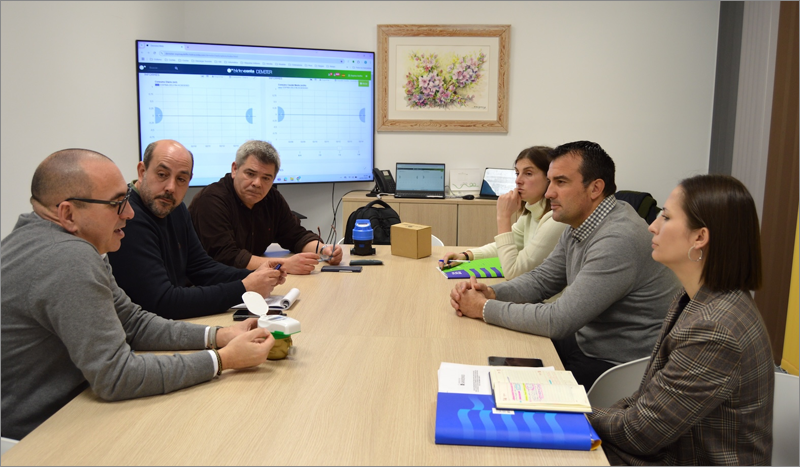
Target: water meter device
x=362, y=238
x=279, y=326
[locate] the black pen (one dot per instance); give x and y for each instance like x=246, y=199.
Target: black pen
x=450, y=261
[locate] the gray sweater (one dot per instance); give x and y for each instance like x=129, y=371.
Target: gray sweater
x=617, y=296
x=65, y=323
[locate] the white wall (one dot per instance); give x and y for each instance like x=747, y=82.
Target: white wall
x=69, y=80
x=636, y=77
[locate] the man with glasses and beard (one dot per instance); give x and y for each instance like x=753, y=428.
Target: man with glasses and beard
x=66, y=325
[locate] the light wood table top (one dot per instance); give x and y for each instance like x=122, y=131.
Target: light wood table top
x=358, y=388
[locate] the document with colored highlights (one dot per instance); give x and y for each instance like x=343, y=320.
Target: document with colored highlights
x=533, y=389
x=547, y=375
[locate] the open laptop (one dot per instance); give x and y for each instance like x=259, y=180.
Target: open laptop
x=419, y=180
x=497, y=182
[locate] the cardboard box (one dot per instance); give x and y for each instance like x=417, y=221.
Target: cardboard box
x=411, y=240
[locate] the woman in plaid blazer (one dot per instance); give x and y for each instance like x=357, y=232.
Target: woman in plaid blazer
x=706, y=396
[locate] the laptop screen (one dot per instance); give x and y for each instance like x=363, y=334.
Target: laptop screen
x=420, y=177
x=498, y=181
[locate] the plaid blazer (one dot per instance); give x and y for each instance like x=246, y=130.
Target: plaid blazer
x=706, y=396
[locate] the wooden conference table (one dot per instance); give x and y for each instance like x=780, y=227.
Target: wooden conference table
x=358, y=388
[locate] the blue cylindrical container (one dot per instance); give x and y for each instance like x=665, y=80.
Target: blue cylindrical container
x=362, y=238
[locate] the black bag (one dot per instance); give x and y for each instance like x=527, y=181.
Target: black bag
x=380, y=218
x=643, y=203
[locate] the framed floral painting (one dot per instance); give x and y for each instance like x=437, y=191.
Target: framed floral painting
x=443, y=77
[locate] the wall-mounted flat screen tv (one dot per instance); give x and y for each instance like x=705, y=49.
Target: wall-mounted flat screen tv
x=316, y=106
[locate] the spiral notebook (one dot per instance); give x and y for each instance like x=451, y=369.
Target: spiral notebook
x=276, y=302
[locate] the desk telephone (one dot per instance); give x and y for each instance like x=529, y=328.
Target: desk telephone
x=384, y=182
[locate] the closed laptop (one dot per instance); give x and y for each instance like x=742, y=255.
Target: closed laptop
x=419, y=180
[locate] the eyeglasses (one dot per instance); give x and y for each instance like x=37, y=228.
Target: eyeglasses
x=119, y=204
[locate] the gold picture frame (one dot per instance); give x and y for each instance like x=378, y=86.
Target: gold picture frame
x=446, y=78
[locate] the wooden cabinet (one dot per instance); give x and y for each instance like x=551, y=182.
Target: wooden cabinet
x=477, y=223
x=457, y=222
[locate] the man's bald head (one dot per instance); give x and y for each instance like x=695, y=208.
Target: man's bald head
x=150, y=149
x=63, y=175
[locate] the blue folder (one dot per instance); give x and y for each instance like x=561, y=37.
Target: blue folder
x=469, y=419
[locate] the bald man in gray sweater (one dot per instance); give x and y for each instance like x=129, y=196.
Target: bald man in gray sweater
x=66, y=325
x=618, y=295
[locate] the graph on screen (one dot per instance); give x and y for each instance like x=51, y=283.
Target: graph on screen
x=315, y=108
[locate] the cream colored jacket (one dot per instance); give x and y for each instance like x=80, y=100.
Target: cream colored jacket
x=530, y=241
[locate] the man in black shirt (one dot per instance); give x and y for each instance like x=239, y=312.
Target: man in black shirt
x=239, y=216
x=161, y=264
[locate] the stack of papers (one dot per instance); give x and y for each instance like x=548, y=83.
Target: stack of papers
x=466, y=413
x=276, y=302
x=467, y=379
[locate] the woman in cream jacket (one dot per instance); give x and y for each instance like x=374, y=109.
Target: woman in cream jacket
x=522, y=246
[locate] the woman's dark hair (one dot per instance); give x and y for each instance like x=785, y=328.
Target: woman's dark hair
x=540, y=156
x=723, y=205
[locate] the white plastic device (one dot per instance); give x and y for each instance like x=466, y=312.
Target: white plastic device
x=279, y=326
x=255, y=303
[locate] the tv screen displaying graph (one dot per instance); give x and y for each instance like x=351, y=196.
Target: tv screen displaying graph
x=316, y=106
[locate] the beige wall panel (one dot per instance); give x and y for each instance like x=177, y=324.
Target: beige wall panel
x=443, y=218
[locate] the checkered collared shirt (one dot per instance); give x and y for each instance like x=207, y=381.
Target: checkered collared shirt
x=600, y=212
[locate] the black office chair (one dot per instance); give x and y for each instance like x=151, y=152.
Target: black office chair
x=643, y=203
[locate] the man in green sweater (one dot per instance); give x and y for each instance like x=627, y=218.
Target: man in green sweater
x=66, y=325
x=617, y=298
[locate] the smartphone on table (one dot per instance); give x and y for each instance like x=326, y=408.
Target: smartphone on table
x=514, y=361
x=243, y=314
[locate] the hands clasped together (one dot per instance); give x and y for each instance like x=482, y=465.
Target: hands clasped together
x=468, y=298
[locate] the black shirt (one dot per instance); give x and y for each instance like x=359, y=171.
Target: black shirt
x=232, y=233
x=162, y=267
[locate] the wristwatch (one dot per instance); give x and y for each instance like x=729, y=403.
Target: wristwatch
x=212, y=336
